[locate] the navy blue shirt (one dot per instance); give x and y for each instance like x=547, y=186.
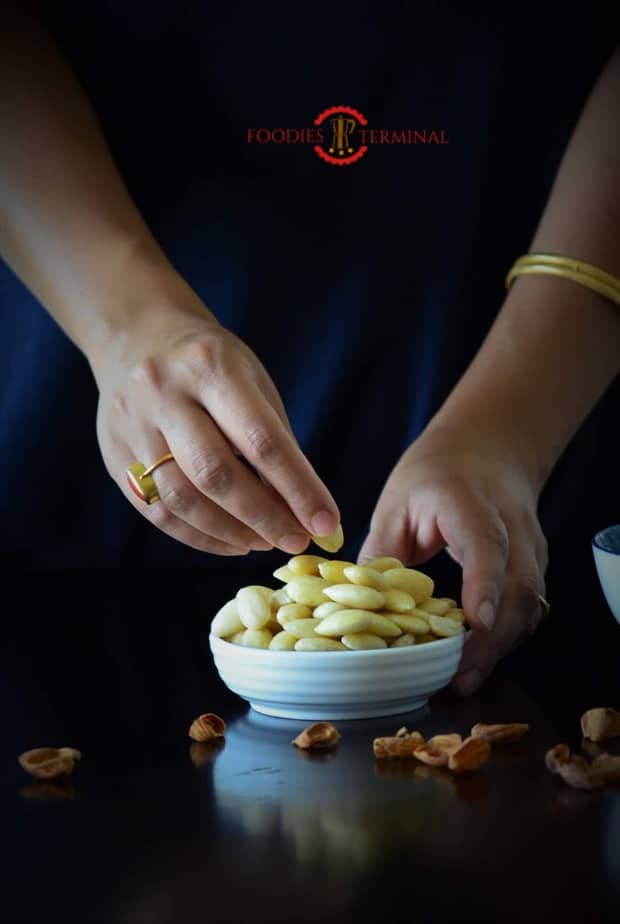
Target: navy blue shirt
x=365, y=289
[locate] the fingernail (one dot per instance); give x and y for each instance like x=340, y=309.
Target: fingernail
x=260, y=545
x=468, y=682
x=324, y=523
x=233, y=550
x=486, y=614
x=293, y=543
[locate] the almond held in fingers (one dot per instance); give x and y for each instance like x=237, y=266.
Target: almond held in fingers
x=500, y=734
x=600, y=723
x=318, y=735
x=207, y=726
x=331, y=543
x=49, y=763
x=470, y=755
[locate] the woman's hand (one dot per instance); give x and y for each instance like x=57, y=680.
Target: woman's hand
x=190, y=387
x=448, y=491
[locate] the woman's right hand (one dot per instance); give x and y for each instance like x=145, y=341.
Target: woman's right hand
x=190, y=387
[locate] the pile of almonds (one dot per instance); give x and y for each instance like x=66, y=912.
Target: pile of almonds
x=336, y=605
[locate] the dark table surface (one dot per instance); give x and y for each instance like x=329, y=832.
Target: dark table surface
x=153, y=829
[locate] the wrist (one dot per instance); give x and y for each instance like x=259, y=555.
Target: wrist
x=496, y=443
x=145, y=298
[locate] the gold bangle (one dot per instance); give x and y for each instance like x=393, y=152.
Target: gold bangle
x=587, y=274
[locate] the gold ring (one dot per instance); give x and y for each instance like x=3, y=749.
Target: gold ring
x=140, y=481
x=546, y=607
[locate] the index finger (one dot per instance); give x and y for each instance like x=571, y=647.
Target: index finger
x=259, y=434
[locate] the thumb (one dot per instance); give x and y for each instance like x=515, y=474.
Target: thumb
x=389, y=535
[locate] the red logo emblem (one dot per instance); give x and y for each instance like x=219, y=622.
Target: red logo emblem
x=342, y=139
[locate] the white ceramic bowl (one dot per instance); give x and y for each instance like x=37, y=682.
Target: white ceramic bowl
x=337, y=684
x=606, y=551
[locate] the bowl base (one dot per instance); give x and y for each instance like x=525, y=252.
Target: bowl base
x=335, y=713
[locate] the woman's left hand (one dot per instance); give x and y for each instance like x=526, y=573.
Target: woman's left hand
x=449, y=491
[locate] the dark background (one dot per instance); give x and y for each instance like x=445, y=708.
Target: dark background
x=364, y=290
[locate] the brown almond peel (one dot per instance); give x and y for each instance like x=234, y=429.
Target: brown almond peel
x=204, y=752
x=471, y=754
x=577, y=775
x=576, y=771
x=445, y=744
x=500, y=733
x=426, y=755
x=556, y=756
x=49, y=763
x=318, y=735
x=397, y=745
x=207, y=726
x=600, y=723
x=606, y=769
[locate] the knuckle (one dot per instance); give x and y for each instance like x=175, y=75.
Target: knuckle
x=496, y=535
x=212, y=475
x=159, y=516
x=262, y=445
x=146, y=372
x=204, y=360
x=269, y=526
x=526, y=601
x=176, y=498
x=120, y=404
